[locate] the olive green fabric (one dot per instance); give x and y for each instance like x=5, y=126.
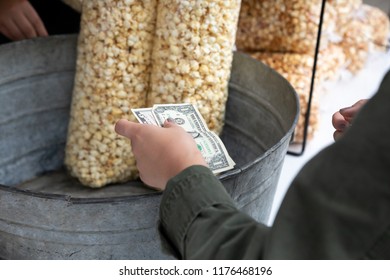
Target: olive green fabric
x=338, y=207
x=200, y=219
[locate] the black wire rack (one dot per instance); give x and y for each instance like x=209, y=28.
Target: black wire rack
x=293, y=148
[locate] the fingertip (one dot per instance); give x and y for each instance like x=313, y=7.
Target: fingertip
x=337, y=118
x=169, y=122
x=42, y=31
x=121, y=127
x=121, y=122
x=337, y=135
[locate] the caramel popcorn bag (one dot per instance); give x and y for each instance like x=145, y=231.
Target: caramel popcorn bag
x=112, y=76
x=278, y=25
x=192, y=55
x=133, y=54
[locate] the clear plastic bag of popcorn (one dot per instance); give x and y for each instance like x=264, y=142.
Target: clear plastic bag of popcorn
x=367, y=31
x=345, y=11
x=346, y=8
x=331, y=60
x=279, y=25
x=112, y=76
x=285, y=63
x=192, y=55
x=379, y=22
x=356, y=43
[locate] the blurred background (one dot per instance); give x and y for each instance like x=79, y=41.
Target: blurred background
x=334, y=94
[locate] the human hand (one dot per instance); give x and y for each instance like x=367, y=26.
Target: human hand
x=20, y=21
x=342, y=119
x=160, y=152
x=5, y=4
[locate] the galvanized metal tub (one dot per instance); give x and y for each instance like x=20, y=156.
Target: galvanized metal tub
x=46, y=214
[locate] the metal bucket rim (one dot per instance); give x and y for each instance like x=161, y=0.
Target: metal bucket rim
x=42, y=70
x=76, y=200
x=222, y=176
x=230, y=173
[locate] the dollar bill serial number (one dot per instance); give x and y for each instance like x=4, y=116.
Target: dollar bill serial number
x=227, y=270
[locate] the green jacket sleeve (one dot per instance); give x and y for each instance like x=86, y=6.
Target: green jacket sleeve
x=338, y=207
x=201, y=221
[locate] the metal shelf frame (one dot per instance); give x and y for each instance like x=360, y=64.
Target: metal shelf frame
x=312, y=84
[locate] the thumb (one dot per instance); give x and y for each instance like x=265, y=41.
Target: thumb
x=169, y=122
x=126, y=128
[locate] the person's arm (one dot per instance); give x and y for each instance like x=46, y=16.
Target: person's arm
x=197, y=214
x=338, y=207
x=199, y=217
x=19, y=20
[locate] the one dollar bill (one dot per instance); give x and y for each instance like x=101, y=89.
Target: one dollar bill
x=188, y=117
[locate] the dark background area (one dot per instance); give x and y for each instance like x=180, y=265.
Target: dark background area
x=58, y=17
